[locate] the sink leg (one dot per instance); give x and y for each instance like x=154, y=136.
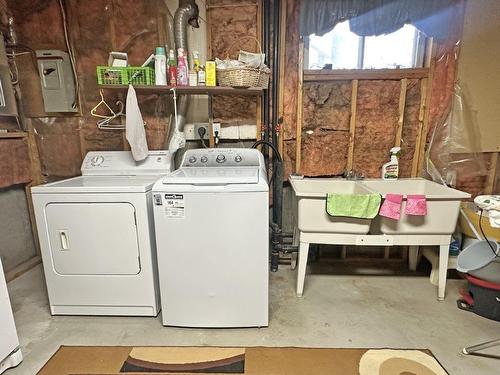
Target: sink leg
x=444, y=251
x=413, y=258
x=301, y=272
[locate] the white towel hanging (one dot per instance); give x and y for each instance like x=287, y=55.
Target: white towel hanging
x=134, y=127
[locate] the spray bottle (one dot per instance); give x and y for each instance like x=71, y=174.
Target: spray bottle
x=172, y=68
x=182, y=68
x=390, y=170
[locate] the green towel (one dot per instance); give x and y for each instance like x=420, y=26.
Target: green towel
x=361, y=206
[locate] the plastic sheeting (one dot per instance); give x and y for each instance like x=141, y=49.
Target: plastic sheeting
x=451, y=155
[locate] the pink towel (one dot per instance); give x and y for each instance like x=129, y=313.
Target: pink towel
x=391, y=207
x=416, y=205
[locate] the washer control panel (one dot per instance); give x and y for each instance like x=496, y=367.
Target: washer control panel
x=221, y=157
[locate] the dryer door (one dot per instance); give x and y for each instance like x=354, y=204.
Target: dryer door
x=93, y=238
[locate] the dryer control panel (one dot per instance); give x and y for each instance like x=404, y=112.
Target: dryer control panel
x=222, y=157
x=121, y=163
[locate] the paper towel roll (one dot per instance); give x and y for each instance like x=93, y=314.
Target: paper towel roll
x=134, y=127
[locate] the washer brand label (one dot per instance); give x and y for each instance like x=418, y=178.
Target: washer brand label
x=174, y=205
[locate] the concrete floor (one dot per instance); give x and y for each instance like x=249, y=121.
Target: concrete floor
x=336, y=311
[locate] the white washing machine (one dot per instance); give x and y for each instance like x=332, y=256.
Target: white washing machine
x=10, y=353
x=212, y=220
x=97, y=237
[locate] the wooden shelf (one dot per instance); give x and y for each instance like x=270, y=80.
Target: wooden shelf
x=193, y=90
x=14, y=134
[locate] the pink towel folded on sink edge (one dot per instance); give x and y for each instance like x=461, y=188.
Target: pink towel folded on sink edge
x=416, y=205
x=391, y=207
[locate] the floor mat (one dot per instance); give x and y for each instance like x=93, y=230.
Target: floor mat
x=75, y=360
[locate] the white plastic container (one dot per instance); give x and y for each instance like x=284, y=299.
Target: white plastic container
x=443, y=204
x=311, y=205
x=160, y=67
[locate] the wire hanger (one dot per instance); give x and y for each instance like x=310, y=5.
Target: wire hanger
x=93, y=111
x=105, y=123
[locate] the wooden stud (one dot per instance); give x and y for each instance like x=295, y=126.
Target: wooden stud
x=209, y=31
x=239, y=5
x=281, y=88
x=352, y=124
x=490, y=182
x=22, y=268
x=418, y=139
x=425, y=127
x=365, y=74
x=17, y=134
x=300, y=84
x=401, y=111
x=31, y=212
x=36, y=179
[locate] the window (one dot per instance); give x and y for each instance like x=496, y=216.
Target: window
x=343, y=49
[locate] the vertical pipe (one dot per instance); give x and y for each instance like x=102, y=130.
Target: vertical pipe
x=277, y=181
x=266, y=47
x=277, y=187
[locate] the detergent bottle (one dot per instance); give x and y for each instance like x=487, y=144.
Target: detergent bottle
x=390, y=170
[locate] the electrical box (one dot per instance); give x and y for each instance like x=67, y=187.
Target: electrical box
x=57, y=80
x=8, y=105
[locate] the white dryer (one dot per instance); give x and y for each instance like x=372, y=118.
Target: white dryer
x=97, y=237
x=212, y=233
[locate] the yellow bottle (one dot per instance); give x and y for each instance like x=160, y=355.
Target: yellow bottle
x=210, y=73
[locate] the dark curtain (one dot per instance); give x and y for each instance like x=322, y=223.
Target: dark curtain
x=376, y=17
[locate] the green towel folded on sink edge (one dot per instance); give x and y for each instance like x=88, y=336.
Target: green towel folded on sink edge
x=360, y=206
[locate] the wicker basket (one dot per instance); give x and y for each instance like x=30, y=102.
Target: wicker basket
x=243, y=76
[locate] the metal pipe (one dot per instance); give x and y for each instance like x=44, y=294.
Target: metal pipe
x=266, y=47
x=186, y=13
x=277, y=165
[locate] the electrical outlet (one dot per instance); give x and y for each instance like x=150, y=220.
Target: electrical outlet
x=196, y=134
x=216, y=129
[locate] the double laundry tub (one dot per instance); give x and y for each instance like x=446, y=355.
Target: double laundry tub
x=315, y=225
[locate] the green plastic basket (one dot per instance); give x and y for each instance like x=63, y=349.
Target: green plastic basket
x=114, y=75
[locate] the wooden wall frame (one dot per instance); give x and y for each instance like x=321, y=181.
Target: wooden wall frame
x=300, y=84
x=352, y=124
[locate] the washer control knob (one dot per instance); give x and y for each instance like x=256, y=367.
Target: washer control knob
x=192, y=159
x=96, y=160
x=220, y=158
x=238, y=158
x=204, y=159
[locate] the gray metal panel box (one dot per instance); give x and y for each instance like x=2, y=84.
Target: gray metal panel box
x=58, y=84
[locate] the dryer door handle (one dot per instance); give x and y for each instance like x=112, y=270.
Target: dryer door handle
x=63, y=236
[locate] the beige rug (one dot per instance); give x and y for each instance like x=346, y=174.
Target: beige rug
x=77, y=360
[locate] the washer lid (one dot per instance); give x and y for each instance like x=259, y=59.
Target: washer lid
x=99, y=184
x=213, y=176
